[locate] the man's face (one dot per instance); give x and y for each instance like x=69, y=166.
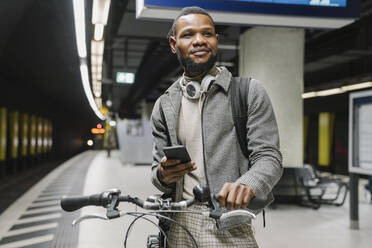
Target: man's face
x=195, y=43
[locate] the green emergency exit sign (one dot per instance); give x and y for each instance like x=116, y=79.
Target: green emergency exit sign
x=125, y=77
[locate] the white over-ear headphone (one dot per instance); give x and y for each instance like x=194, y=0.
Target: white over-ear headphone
x=193, y=90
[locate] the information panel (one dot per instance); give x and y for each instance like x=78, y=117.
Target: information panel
x=360, y=133
x=289, y=13
x=330, y=3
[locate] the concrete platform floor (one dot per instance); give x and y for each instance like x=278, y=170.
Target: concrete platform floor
x=287, y=226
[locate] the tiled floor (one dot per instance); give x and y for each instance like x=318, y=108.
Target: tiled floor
x=290, y=226
x=35, y=220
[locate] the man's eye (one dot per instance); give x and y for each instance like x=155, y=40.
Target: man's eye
x=208, y=34
x=187, y=35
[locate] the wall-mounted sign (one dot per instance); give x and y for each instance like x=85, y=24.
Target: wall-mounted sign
x=289, y=13
x=125, y=77
x=360, y=132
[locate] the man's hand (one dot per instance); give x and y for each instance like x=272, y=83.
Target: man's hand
x=171, y=171
x=235, y=196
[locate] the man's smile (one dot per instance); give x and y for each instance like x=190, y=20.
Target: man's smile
x=200, y=52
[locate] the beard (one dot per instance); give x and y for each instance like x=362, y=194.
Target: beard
x=196, y=68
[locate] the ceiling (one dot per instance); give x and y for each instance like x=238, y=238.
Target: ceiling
x=332, y=57
x=40, y=65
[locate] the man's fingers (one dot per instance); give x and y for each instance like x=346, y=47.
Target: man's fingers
x=163, y=160
x=180, y=167
x=230, y=201
x=170, y=163
x=222, y=195
x=239, y=197
x=176, y=173
x=235, y=196
x=246, y=200
x=172, y=174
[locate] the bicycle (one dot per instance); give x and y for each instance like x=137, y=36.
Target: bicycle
x=158, y=207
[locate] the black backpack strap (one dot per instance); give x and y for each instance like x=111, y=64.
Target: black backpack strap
x=239, y=107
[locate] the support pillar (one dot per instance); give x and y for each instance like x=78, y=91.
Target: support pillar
x=275, y=57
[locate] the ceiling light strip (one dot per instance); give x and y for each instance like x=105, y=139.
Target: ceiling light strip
x=357, y=86
x=100, y=14
x=100, y=11
x=97, y=47
x=339, y=90
x=79, y=19
x=98, y=31
x=87, y=89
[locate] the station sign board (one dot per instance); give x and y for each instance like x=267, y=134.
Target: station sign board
x=125, y=77
x=288, y=13
x=360, y=132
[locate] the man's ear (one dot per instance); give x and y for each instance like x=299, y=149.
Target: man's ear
x=217, y=37
x=172, y=44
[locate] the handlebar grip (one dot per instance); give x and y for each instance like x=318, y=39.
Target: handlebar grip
x=73, y=203
x=258, y=203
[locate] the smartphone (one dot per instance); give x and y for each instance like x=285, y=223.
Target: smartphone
x=177, y=152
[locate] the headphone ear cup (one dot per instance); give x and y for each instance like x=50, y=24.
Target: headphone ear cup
x=191, y=90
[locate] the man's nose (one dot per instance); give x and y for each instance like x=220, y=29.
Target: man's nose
x=199, y=39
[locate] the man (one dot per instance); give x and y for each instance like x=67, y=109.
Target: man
x=202, y=121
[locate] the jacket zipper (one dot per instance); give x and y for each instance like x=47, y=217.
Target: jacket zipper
x=202, y=130
x=205, y=165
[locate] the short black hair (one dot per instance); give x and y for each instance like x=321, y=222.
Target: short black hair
x=188, y=11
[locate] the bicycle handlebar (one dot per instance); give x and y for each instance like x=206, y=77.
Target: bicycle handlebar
x=111, y=198
x=73, y=203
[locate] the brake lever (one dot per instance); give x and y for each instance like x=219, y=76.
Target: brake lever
x=216, y=209
x=238, y=212
x=88, y=216
x=217, y=212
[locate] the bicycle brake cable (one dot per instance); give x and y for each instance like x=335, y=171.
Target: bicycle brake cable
x=171, y=220
x=141, y=216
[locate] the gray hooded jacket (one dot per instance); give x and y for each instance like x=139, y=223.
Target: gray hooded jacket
x=223, y=158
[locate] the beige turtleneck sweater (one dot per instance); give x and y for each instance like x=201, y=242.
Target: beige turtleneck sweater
x=189, y=133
